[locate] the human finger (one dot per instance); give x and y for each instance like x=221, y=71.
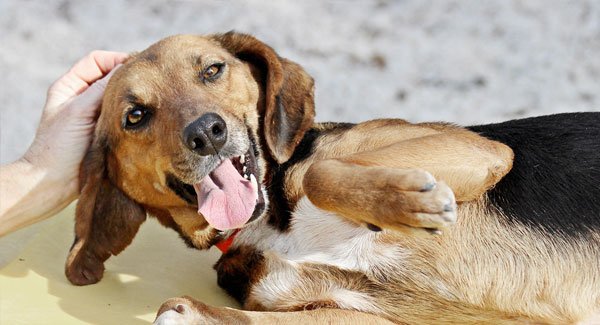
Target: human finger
x=83, y=73
x=86, y=104
x=96, y=64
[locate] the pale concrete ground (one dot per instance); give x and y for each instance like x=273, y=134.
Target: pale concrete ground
x=459, y=61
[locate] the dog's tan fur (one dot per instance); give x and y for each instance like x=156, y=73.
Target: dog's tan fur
x=374, y=166
x=380, y=173
x=541, y=285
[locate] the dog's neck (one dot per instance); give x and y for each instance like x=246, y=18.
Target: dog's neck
x=281, y=205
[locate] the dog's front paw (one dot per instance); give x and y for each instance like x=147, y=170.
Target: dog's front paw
x=408, y=200
x=83, y=268
x=413, y=199
x=186, y=310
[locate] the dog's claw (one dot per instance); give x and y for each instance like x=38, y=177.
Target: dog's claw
x=428, y=187
x=448, y=207
x=373, y=227
x=433, y=231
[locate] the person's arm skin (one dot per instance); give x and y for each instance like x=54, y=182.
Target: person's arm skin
x=45, y=179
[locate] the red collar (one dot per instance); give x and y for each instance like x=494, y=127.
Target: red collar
x=224, y=244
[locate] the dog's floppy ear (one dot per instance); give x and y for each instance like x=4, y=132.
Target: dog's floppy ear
x=106, y=219
x=289, y=101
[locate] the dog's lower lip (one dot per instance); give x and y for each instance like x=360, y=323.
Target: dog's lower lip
x=183, y=190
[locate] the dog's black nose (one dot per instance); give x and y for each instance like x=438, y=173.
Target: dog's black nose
x=206, y=135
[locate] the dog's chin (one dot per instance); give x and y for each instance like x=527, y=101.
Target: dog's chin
x=248, y=168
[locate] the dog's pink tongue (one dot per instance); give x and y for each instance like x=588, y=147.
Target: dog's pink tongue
x=225, y=198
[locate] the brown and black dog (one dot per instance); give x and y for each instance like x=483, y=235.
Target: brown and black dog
x=351, y=223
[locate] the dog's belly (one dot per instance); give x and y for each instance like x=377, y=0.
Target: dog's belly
x=321, y=237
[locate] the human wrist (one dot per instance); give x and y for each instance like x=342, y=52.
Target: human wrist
x=30, y=194
x=51, y=175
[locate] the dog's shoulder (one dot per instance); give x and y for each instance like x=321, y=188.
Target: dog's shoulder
x=283, y=189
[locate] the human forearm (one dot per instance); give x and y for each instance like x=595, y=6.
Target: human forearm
x=29, y=194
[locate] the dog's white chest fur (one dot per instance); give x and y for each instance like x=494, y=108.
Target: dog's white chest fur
x=316, y=237
x=322, y=237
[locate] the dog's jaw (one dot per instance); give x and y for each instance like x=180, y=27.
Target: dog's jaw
x=248, y=165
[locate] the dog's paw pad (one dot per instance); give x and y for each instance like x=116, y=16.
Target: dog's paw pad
x=180, y=314
x=180, y=308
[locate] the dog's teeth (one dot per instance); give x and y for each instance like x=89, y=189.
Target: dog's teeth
x=254, y=182
x=243, y=159
x=244, y=169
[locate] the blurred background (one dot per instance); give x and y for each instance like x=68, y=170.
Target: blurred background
x=460, y=61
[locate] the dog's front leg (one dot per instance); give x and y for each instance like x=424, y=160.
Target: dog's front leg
x=400, y=199
x=397, y=186
x=186, y=310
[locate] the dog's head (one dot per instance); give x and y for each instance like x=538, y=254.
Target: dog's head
x=186, y=130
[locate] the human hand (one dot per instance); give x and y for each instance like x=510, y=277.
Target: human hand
x=45, y=179
x=68, y=120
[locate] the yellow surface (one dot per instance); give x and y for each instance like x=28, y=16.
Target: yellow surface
x=155, y=267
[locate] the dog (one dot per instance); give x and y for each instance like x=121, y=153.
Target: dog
x=378, y=222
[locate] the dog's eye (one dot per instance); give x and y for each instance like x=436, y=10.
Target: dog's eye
x=212, y=72
x=136, y=117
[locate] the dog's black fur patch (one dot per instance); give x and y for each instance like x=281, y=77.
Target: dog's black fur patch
x=234, y=271
x=555, y=180
x=280, y=207
x=185, y=191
